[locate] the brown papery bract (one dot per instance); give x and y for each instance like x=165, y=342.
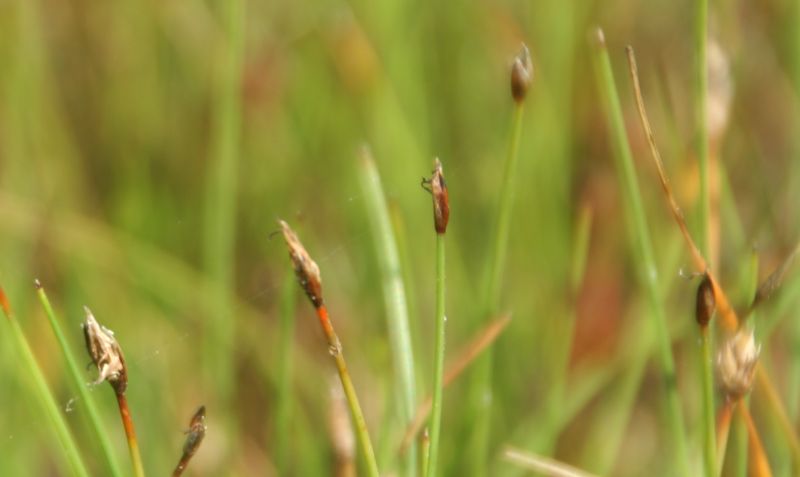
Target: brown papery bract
x=305, y=268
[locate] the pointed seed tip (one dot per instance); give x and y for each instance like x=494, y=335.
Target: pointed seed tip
x=598, y=37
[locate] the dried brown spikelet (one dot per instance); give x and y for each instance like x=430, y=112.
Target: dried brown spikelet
x=521, y=74
x=705, y=303
x=736, y=363
x=196, y=432
x=106, y=354
x=437, y=186
x=305, y=268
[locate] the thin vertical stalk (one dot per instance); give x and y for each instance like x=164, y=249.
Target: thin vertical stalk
x=335, y=350
x=42, y=392
x=285, y=358
x=79, y=384
x=221, y=192
x=424, y=452
x=640, y=237
x=466, y=356
x=441, y=319
x=704, y=217
x=707, y=382
x=130, y=434
x=481, y=391
x=482, y=385
x=394, y=294
x=701, y=119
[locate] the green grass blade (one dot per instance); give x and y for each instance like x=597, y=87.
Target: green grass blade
x=221, y=192
x=481, y=390
x=393, y=292
x=42, y=392
x=642, y=247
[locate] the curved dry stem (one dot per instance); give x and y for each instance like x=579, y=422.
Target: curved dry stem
x=724, y=309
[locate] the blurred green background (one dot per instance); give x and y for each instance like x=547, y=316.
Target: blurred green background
x=148, y=148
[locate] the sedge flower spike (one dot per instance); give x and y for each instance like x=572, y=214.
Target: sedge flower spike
x=705, y=303
x=521, y=74
x=305, y=268
x=441, y=202
x=106, y=354
x=194, y=437
x=736, y=363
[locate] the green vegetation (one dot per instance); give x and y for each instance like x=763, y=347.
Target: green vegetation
x=148, y=149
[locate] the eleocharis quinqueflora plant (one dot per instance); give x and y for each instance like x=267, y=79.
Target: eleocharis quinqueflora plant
x=441, y=216
x=521, y=77
x=79, y=383
x=42, y=392
x=737, y=362
x=194, y=437
x=308, y=276
x=107, y=357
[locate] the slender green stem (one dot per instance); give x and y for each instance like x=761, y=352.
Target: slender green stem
x=709, y=424
x=335, y=350
x=80, y=384
x=642, y=245
x=220, y=204
x=283, y=434
x=42, y=392
x=480, y=397
x=393, y=293
x=500, y=243
x=701, y=121
x=441, y=320
x=424, y=452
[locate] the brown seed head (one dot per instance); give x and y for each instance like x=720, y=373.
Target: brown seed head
x=441, y=201
x=705, y=302
x=736, y=363
x=521, y=74
x=106, y=354
x=196, y=432
x=305, y=268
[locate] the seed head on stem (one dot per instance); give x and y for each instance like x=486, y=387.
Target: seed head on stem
x=705, y=302
x=305, y=268
x=308, y=275
x=441, y=202
x=521, y=74
x=736, y=363
x=106, y=354
x=194, y=437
